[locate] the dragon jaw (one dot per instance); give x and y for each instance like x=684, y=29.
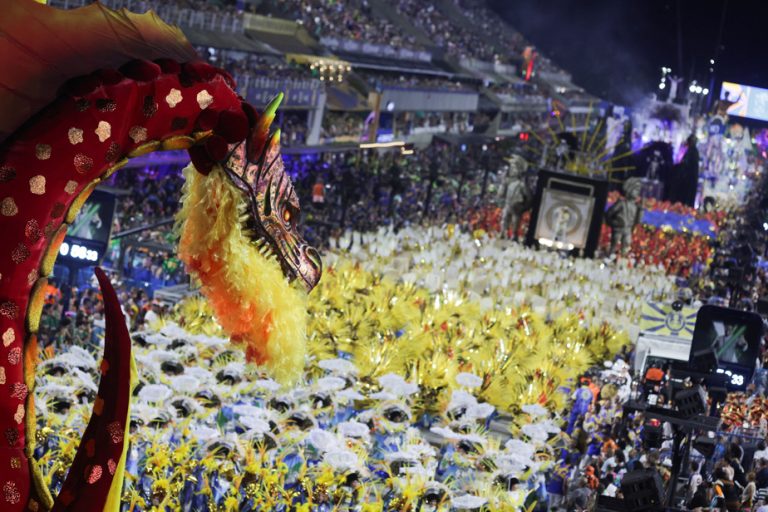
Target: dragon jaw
x=273, y=211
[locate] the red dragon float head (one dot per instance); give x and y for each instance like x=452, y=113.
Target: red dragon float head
x=82, y=92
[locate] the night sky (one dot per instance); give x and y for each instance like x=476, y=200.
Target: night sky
x=615, y=48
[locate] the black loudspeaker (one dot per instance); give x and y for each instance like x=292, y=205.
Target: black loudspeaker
x=642, y=490
x=691, y=402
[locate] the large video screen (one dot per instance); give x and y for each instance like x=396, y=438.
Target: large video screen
x=88, y=236
x=94, y=221
x=748, y=101
x=731, y=336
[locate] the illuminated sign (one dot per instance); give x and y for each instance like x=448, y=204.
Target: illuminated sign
x=745, y=100
x=736, y=379
x=78, y=252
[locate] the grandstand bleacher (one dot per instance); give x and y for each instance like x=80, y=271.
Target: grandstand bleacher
x=428, y=67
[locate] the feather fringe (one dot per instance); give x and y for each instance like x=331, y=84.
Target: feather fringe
x=250, y=296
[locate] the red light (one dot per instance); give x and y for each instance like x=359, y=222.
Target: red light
x=524, y=136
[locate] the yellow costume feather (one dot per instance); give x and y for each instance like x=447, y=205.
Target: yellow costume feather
x=250, y=296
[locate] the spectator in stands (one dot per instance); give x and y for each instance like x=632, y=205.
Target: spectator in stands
x=153, y=314
x=761, y=454
x=318, y=194
x=761, y=478
x=694, y=481
x=726, y=495
x=749, y=492
x=701, y=498
x=686, y=175
x=579, y=498
x=654, y=377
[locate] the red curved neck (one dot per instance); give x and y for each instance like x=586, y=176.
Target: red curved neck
x=59, y=155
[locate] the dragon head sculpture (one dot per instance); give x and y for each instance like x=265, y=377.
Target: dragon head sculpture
x=256, y=168
x=238, y=235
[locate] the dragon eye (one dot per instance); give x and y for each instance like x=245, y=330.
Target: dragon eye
x=287, y=215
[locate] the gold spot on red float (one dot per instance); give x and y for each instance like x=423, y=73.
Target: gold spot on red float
x=9, y=310
x=116, y=433
x=8, y=207
x=9, y=336
x=103, y=131
x=204, y=99
x=70, y=187
x=75, y=135
x=138, y=134
x=43, y=151
x=19, y=391
x=32, y=230
x=94, y=474
x=174, y=98
x=14, y=356
x=11, y=493
x=83, y=163
x=19, y=416
x=20, y=253
x=37, y=185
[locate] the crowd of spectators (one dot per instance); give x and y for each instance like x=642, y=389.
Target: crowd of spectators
x=518, y=92
x=74, y=316
x=218, y=15
x=604, y=442
x=147, y=257
x=362, y=191
x=414, y=81
x=408, y=123
x=518, y=122
x=456, y=40
x=347, y=125
x=342, y=19
x=353, y=126
x=252, y=69
x=490, y=24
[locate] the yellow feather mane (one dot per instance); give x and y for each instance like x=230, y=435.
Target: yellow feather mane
x=250, y=296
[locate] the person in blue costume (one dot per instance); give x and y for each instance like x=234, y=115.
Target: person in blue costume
x=582, y=399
